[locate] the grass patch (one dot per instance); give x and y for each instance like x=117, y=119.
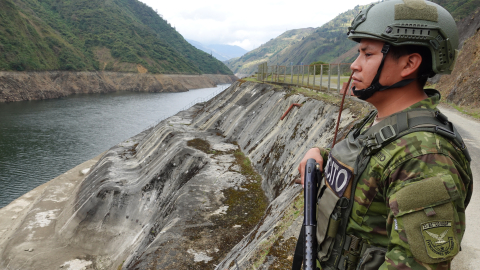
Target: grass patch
x=360, y=109
x=468, y=110
x=251, y=79
x=246, y=207
x=246, y=166
x=276, y=245
x=201, y=145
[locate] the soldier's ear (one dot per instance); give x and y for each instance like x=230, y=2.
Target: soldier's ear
x=411, y=64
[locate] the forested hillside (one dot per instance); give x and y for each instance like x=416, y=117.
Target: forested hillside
x=81, y=35
x=247, y=64
x=328, y=43
x=459, y=8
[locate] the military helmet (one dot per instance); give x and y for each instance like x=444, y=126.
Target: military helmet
x=411, y=22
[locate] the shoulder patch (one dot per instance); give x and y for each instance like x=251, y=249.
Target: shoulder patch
x=439, y=239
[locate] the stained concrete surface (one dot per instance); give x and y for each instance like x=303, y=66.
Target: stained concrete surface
x=150, y=202
x=154, y=202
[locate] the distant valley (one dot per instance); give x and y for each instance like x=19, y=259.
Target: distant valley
x=222, y=52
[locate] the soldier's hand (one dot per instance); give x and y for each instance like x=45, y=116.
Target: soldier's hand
x=312, y=153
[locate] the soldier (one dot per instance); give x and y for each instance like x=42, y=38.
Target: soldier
x=396, y=188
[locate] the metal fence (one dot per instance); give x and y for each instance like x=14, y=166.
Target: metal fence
x=325, y=77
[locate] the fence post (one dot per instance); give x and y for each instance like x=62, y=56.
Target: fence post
x=338, y=85
x=321, y=77
x=265, y=70
x=329, y=76
x=291, y=74
x=284, y=74
x=298, y=75
x=303, y=74
x=271, y=78
x=308, y=76
x=276, y=73
x=314, y=71
x=273, y=73
x=258, y=73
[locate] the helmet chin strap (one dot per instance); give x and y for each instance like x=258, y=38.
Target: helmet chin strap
x=366, y=93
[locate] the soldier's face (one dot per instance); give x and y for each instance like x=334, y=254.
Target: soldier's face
x=367, y=63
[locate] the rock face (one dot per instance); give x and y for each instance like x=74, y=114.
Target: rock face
x=180, y=195
x=462, y=86
x=18, y=86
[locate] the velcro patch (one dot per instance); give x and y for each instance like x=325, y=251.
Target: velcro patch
x=338, y=176
x=415, y=4
x=412, y=11
x=439, y=239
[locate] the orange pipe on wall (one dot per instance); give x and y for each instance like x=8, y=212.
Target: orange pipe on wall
x=289, y=108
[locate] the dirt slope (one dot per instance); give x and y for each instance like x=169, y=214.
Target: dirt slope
x=462, y=86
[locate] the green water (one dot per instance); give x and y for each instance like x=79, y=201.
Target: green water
x=40, y=140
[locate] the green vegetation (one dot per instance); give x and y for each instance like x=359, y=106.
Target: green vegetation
x=200, y=144
x=246, y=206
x=275, y=245
x=323, y=44
x=82, y=35
x=318, y=69
x=270, y=51
x=459, y=8
x=466, y=109
x=327, y=43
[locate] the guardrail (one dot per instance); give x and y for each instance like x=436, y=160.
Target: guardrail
x=195, y=101
x=316, y=77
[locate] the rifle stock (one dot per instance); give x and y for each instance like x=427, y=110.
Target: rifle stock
x=310, y=221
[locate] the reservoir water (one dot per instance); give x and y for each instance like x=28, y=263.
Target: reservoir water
x=40, y=140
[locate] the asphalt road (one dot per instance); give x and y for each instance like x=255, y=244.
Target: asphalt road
x=469, y=257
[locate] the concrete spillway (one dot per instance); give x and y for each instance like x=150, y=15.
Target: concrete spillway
x=179, y=195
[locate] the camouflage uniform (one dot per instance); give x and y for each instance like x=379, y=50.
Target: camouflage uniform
x=397, y=204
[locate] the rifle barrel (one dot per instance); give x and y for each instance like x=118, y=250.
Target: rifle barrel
x=310, y=194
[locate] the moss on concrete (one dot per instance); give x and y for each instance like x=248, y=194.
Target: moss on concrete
x=200, y=144
x=246, y=206
x=275, y=245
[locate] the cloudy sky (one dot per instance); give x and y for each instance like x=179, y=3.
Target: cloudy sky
x=247, y=23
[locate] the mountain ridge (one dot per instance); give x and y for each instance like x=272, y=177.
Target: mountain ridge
x=247, y=64
x=328, y=43
x=117, y=35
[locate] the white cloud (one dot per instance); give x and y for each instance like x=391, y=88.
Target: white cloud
x=250, y=23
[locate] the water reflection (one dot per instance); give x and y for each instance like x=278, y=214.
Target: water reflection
x=40, y=140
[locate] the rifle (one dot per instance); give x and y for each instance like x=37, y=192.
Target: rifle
x=310, y=216
x=306, y=249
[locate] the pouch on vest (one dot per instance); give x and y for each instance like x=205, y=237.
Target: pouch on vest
x=336, y=187
x=372, y=259
x=424, y=211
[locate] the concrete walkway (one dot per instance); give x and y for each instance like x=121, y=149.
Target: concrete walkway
x=469, y=257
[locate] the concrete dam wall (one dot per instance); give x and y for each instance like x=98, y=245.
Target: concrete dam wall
x=209, y=188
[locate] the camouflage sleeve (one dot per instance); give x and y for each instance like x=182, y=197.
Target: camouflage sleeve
x=426, y=196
